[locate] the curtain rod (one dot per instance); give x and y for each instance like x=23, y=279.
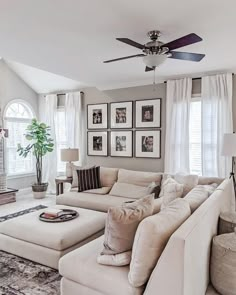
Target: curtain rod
x=198, y=78
x=81, y=92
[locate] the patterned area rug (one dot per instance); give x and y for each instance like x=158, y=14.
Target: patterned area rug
x=19, y=276
x=19, y=213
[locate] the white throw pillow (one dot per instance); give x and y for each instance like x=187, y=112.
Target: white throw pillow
x=199, y=195
x=170, y=190
x=151, y=238
x=116, y=259
x=189, y=181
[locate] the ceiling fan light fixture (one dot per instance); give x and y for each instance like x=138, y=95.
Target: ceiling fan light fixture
x=154, y=60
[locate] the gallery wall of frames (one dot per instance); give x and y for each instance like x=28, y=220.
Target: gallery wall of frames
x=125, y=129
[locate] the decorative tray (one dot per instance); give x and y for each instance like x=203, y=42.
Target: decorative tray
x=65, y=215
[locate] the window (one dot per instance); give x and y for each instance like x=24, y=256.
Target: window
x=195, y=135
x=18, y=116
x=61, y=141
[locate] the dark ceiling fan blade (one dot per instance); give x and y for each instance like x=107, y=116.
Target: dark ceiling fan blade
x=147, y=69
x=125, y=57
x=183, y=41
x=131, y=42
x=186, y=56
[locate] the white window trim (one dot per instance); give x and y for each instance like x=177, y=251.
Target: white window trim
x=13, y=119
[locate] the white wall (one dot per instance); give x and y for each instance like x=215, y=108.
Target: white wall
x=13, y=87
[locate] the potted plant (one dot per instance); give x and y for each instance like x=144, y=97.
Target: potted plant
x=40, y=144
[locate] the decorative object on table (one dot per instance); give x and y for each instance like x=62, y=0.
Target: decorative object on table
x=148, y=113
x=60, y=180
x=97, y=143
x=40, y=144
x=121, y=114
x=97, y=115
x=229, y=150
x=69, y=155
x=227, y=222
x=61, y=215
x=20, y=276
x=223, y=264
x=148, y=144
x=121, y=144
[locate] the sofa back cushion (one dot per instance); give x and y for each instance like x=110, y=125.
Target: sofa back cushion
x=122, y=222
x=170, y=190
x=108, y=176
x=151, y=238
x=199, y=194
x=131, y=191
x=138, y=177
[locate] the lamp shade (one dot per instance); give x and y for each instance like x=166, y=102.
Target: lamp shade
x=69, y=155
x=229, y=145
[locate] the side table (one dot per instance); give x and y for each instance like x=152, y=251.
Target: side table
x=60, y=180
x=223, y=264
x=227, y=222
x=8, y=196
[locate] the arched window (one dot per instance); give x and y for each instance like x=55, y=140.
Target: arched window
x=17, y=116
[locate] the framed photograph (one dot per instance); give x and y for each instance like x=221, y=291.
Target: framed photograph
x=148, y=113
x=97, y=143
x=121, y=114
x=97, y=116
x=121, y=143
x=148, y=144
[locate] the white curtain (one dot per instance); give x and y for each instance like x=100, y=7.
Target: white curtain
x=216, y=120
x=74, y=123
x=177, y=125
x=50, y=160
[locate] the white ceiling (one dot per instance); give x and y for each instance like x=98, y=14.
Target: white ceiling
x=42, y=81
x=72, y=37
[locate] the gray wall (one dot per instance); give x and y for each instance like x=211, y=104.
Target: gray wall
x=12, y=87
x=93, y=95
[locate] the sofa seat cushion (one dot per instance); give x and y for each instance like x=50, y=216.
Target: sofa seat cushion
x=99, y=191
x=57, y=236
x=90, y=201
x=81, y=266
x=139, y=177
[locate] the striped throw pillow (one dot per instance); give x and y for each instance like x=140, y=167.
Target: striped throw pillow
x=88, y=179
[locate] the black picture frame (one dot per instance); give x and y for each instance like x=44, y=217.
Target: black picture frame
x=143, y=153
x=92, y=126
x=119, y=125
x=131, y=147
x=98, y=133
x=148, y=124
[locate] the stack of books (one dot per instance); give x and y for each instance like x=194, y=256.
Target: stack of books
x=52, y=213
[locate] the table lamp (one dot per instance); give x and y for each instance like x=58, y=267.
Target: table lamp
x=69, y=155
x=229, y=150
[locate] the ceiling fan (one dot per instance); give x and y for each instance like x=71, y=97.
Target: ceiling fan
x=156, y=52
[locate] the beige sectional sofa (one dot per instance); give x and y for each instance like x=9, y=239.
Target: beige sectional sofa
x=183, y=267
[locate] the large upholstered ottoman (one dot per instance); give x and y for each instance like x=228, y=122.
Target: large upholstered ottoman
x=43, y=242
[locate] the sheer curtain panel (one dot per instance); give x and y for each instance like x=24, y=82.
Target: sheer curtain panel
x=216, y=121
x=74, y=123
x=177, y=125
x=50, y=160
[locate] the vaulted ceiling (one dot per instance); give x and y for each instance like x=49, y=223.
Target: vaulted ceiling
x=72, y=37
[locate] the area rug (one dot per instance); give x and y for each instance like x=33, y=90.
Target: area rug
x=19, y=213
x=19, y=276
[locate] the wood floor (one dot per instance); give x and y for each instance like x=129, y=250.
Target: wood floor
x=25, y=200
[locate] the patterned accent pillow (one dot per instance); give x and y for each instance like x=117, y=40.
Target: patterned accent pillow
x=170, y=190
x=88, y=179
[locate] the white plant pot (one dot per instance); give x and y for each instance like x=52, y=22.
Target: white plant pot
x=39, y=190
